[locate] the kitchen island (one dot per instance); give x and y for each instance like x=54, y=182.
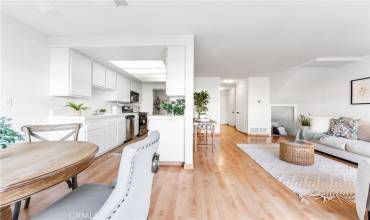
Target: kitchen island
x=171, y=144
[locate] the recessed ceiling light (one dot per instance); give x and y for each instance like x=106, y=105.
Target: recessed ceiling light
x=222, y=88
x=139, y=64
x=145, y=71
x=228, y=81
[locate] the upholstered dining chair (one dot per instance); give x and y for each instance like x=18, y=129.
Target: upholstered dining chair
x=129, y=199
x=363, y=189
x=33, y=132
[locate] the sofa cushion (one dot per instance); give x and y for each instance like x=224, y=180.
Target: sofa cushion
x=363, y=132
x=320, y=124
x=334, y=142
x=344, y=127
x=358, y=147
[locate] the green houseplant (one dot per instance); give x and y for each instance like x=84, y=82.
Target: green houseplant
x=167, y=106
x=179, y=107
x=77, y=108
x=7, y=134
x=201, y=100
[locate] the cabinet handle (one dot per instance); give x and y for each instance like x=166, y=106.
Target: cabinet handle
x=237, y=112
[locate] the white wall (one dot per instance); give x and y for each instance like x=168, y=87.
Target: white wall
x=25, y=78
x=224, y=104
x=147, y=96
x=321, y=91
x=212, y=85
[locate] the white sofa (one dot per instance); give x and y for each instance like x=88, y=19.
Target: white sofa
x=351, y=150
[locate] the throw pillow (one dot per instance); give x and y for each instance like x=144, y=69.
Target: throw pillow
x=344, y=127
x=320, y=124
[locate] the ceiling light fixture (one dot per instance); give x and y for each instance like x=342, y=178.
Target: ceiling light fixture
x=120, y=3
x=144, y=71
x=228, y=81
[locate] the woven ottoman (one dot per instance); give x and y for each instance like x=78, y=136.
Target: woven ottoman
x=297, y=152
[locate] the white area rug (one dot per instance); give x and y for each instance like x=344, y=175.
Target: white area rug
x=326, y=179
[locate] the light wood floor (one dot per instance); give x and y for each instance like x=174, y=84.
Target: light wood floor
x=226, y=184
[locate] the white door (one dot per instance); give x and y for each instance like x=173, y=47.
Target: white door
x=231, y=109
x=239, y=121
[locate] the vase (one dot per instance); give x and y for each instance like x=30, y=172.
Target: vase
x=77, y=113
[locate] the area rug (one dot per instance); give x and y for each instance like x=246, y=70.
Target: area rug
x=326, y=179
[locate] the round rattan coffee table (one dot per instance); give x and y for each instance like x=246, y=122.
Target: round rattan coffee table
x=297, y=152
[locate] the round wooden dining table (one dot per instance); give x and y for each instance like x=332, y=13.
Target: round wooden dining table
x=28, y=168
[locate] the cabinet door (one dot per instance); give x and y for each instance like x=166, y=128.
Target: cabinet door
x=98, y=75
x=97, y=137
x=121, y=131
x=123, y=89
x=175, y=82
x=111, y=137
x=80, y=75
x=110, y=79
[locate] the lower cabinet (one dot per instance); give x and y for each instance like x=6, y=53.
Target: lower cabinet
x=136, y=125
x=97, y=137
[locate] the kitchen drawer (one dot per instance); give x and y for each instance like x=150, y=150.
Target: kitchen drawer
x=95, y=124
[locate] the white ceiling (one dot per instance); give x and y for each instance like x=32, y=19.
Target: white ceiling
x=232, y=38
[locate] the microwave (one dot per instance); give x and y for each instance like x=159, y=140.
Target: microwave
x=134, y=97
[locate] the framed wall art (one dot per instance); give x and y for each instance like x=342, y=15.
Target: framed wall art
x=360, y=91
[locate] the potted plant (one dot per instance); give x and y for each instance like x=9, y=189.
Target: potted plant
x=7, y=134
x=179, y=107
x=167, y=106
x=77, y=108
x=304, y=121
x=201, y=100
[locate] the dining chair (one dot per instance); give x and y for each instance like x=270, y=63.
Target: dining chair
x=363, y=189
x=32, y=132
x=129, y=199
x=203, y=130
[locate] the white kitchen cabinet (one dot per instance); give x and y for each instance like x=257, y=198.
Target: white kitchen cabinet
x=110, y=79
x=98, y=75
x=175, y=65
x=70, y=73
x=135, y=86
x=121, y=130
x=122, y=91
x=111, y=134
x=97, y=137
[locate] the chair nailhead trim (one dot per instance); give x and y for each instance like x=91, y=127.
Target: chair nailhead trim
x=131, y=175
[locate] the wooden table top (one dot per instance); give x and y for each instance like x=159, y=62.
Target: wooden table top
x=25, y=166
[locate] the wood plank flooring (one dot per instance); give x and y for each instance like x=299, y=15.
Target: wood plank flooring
x=226, y=184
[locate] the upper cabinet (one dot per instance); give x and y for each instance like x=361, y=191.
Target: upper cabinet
x=70, y=73
x=135, y=86
x=98, y=75
x=103, y=77
x=110, y=79
x=175, y=64
x=122, y=91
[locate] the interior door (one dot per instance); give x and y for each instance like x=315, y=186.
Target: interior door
x=239, y=120
x=232, y=110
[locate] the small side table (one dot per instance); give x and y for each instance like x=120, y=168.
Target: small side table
x=297, y=152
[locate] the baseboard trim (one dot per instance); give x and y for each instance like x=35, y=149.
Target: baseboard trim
x=171, y=163
x=189, y=166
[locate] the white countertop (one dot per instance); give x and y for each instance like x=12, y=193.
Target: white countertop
x=93, y=117
x=166, y=117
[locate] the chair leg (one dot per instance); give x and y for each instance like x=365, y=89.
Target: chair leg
x=74, y=182
x=27, y=204
x=17, y=208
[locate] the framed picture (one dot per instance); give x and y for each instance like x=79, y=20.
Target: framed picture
x=360, y=91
